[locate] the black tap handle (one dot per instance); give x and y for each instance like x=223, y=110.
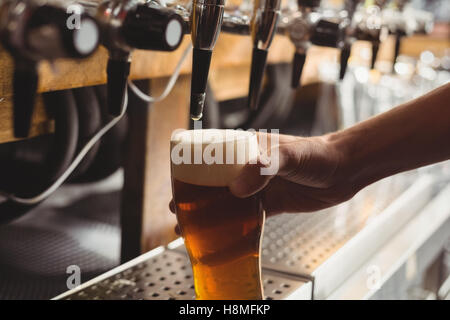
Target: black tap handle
x=309, y=3
x=153, y=29
x=201, y=60
x=259, y=58
x=297, y=68
x=345, y=55
x=25, y=82
x=375, y=47
x=327, y=34
x=117, y=72
x=82, y=42
x=78, y=38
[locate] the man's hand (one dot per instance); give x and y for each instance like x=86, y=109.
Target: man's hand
x=310, y=176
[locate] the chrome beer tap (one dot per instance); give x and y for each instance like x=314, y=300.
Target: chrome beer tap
x=394, y=21
x=133, y=24
x=367, y=25
x=263, y=26
x=308, y=26
x=402, y=21
x=205, y=23
x=350, y=7
x=299, y=31
x=33, y=31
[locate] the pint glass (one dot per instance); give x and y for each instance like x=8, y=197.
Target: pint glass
x=222, y=233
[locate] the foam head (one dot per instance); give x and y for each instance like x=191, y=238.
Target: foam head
x=211, y=157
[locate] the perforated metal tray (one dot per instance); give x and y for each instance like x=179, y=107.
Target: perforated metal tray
x=325, y=247
x=168, y=275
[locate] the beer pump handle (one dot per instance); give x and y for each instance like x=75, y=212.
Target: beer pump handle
x=117, y=71
x=297, y=68
x=327, y=34
x=259, y=58
x=345, y=55
x=150, y=28
x=25, y=82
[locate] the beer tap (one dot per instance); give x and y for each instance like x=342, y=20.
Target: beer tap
x=263, y=27
x=364, y=22
x=350, y=7
x=402, y=21
x=299, y=33
x=33, y=31
x=373, y=27
x=128, y=25
x=205, y=22
x=399, y=32
x=308, y=26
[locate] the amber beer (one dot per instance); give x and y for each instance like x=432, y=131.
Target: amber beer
x=222, y=232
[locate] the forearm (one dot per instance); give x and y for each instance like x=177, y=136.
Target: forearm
x=409, y=136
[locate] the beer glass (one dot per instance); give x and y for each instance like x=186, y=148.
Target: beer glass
x=222, y=233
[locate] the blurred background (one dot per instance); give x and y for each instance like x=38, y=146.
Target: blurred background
x=118, y=198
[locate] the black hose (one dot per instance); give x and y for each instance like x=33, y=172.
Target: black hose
x=109, y=156
x=89, y=122
x=29, y=170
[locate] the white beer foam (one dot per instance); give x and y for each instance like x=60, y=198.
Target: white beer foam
x=211, y=157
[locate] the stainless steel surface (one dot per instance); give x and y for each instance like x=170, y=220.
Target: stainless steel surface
x=206, y=21
x=167, y=275
x=329, y=245
x=399, y=264
x=110, y=16
x=266, y=14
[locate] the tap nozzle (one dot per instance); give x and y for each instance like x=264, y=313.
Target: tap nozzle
x=297, y=67
x=263, y=26
x=398, y=42
x=375, y=49
x=117, y=71
x=206, y=22
x=129, y=25
x=201, y=61
x=259, y=58
x=345, y=55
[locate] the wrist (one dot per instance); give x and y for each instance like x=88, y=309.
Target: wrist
x=350, y=172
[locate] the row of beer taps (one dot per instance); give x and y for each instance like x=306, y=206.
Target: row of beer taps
x=36, y=30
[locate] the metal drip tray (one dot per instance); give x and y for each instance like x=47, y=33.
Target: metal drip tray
x=323, y=248
x=168, y=275
x=328, y=245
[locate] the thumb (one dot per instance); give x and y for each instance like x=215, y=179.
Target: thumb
x=250, y=180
